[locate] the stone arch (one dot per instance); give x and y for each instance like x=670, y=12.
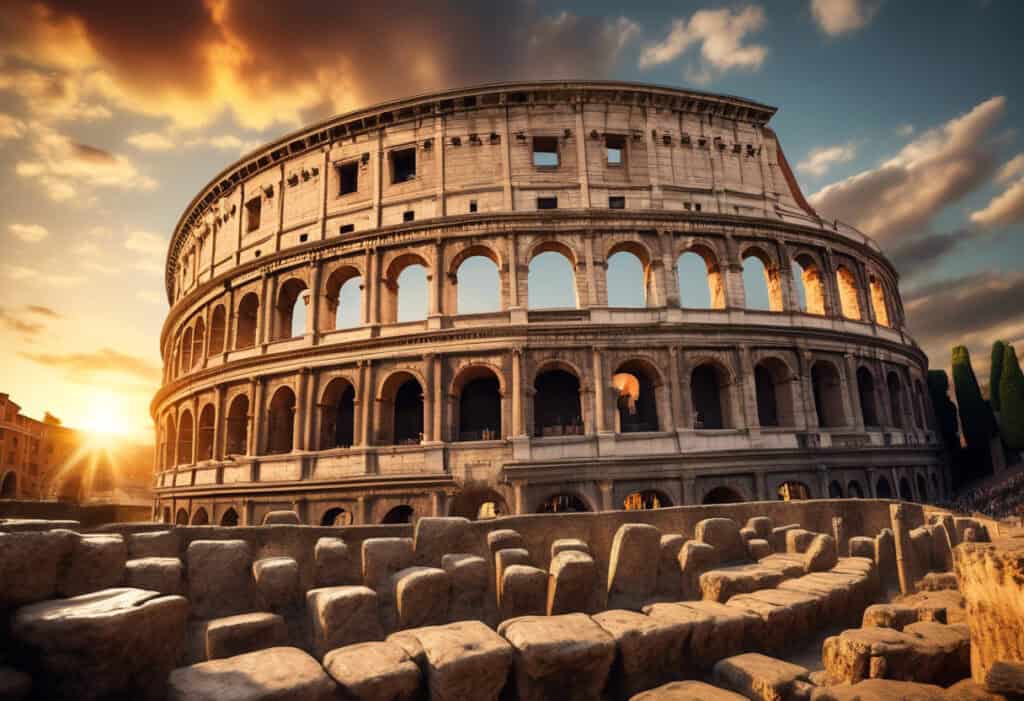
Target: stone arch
x=392, y=299
x=229, y=518
x=849, y=292
x=793, y=490
x=181, y=518
x=639, y=399
x=198, y=343
x=722, y=495
x=878, y=300
x=835, y=490
x=472, y=503
x=341, y=277
x=563, y=502
x=767, y=272
x=854, y=490
x=9, y=485
x=773, y=382
x=200, y=517
x=809, y=284
x=291, y=296
x=883, y=490
x=281, y=421
x=337, y=414
x=922, y=488
x=936, y=489
x=218, y=330
x=403, y=513
x=906, y=491
x=645, y=499
x=170, y=442
x=186, y=351
x=478, y=389
x=186, y=433
x=866, y=394
x=247, y=321
x=491, y=299
x=895, y=389
x=337, y=516
x=238, y=426
x=401, y=406
x=712, y=272
x=709, y=394
x=827, y=386
x=569, y=255
x=918, y=403
x=557, y=405
x=204, y=438
x=638, y=253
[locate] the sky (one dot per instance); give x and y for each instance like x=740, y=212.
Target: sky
x=902, y=118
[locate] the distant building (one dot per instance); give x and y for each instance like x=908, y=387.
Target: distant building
x=31, y=451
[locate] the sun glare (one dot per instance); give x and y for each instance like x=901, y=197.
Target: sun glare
x=105, y=415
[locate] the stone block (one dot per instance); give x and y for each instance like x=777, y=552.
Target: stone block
x=762, y=678
x=723, y=583
x=565, y=657
x=862, y=546
x=716, y=630
x=633, y=565
x=435, y=536
x=375, y=671
x=505, y=558
x=467, y=575
x=523, y=592
x=833, y=597
x=885, y=558
x=219, y=578
x=274, y=674
x=1005, y=677
x=572, y=581
x=952, y=661
x=937, y=581
x=885, y=653
x=112, y=643
x=723, y=534
x=277, y=580
x=160, y=574
x=29, y=565
x=504, y=539
x=342, y=616
x=821, y=553
x=778, y=539
x=758, y=548
x=694, y=560
x=804, y=608
x=962, y=523
x=421, y=596
x=246, y=632
x=892, y=616
x=334, y=564
x=789, y=565
x=96, y=562
x=153, y=544
x=747, y=534
x=669, y=572
x=383, y=558
x=942, y=548
x=798, y=540
x=648, y=651
x=688, y=691
x=970, y=690
x=562, y=544
x=463, y=660
x=762, y=525
x=879, y=690
x=921, y=545
x=283, y=517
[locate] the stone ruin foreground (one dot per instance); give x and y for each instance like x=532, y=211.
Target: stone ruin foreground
x=896, y=601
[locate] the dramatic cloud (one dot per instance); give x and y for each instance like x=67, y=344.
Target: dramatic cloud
x=151, y=141
x=10, y=127
x=193, y=60
x=904, y=194
x=836, y=17
x=1006, y=208
x=53, y=94
x=720, y=34
x=88, y=366
x=820, y=160
x=30, y=233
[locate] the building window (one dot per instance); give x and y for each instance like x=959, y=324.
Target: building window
x=346, y=228
x=408, y=216
x=615, y=150
x=472, y=206
x=252, y=214
x=545, y=151
x=617, y=202
x=348, y=178
x=403, y=165
x=547, y=203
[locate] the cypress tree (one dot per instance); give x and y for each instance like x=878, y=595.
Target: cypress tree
x=1011, y=393
x=946, y=417
x=995, y=372
x=975, y=415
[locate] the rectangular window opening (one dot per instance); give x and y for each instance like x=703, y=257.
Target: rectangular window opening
x=348, y=178
x=545, y=151
x=408, y=216
x=252, y=214
x=616, y=202
x=346, y=228
x=615, y=150
x=403, y=165
x=472, y=206
x=547, y=203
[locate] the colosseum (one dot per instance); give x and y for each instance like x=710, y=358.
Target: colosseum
x=328, y=352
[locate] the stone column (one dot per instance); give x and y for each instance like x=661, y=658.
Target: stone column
x=298, y=418
x=761, y=485
x=428, y=398
x=748, y=384
x=513, y=273
x=247, y=512
x=670, y=273
x=519, y=497
x=593, y=297
x=839, y=533
x=904, y=550
x=436, y=282
x=854, y=391
x=581, y=154
x=309, y=407
x=366, y=398
x=599, y=391
x=439, y=395
x=675, y=388
x=607, y=503
x=218, y=423
x=313, y=303
x=517, y=392
x=689, y=490
x=362, y=514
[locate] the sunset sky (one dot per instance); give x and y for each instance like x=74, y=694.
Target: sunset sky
x=902, y=118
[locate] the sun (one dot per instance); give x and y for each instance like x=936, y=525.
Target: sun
x=104, y=415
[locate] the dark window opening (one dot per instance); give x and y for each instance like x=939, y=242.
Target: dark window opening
x=399, y=514
x=338, y=427
x=480, y=411
x=403, y=165
x=707, y=401
x=545, y=151
x=346, y=228
x=722, y=495
x=408, y=216
x=547, y=203
x=409, y=413
x=866, y=392
x=617, y=202
x=303, y=238
x=556, y=405
x=637, y=405
x=560, y=503
x=348, y=178
x=472, y=206
x=767, y=403
x=615, y=150
x=252, y=214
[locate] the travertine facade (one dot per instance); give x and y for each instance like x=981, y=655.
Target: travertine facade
x=520, y=409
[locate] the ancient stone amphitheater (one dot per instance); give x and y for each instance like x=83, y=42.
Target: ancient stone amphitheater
x=365, y=324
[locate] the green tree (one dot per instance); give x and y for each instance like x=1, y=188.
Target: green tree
x=1011, y=393
x=946, y=417
x=994, y=373
x=975, y=415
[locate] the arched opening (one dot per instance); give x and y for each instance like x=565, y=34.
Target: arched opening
x=722, y=495
x=854, y=490
x=9, y=486
x=761, y=285
x=409, y=413
x=290, y=312
x=551, y=282
x=248, y=314
x=866, y=392
x=774, y=397
x=337, y=415
x=204, y=446
x=709, y=387
x=936, y=492
x=181, y=518
x=646, y=499
x=835, y=490
x=186, y=351
x=883, y=490
x=479, y=395
x=808, y=285
x=895, y=387
x=281, y=421
x=399, y=514
x=561, y=503
x=185, y=433
x=405, y=290
x=922, y=488
x=218, y=330
x=478, y=285
x=917, y=402
x=627, y=280
x=906, y=491
x=336, y=516
x=878, y=301
x=343, y=299
x=489, y=510
x=636, y=398
x=170, y=444
x=793, y=491
x=200, y=517
x=828, y=394
x=229, y=517
x=700, y=281
x=556, y=404
x=197, y=343
x=478, y=504
x=849, y=299
x=238, y=426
